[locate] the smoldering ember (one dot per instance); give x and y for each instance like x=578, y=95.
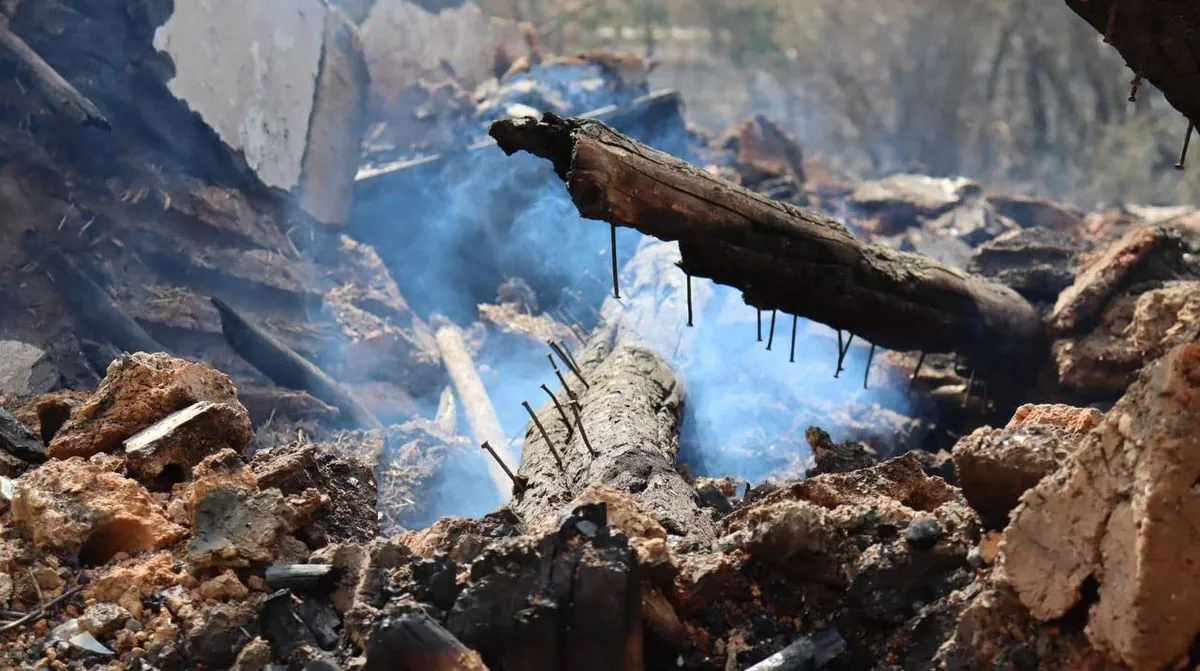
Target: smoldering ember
x=448, y=335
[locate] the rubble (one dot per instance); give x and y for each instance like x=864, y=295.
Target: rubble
x=77, y=507
x=996, y=466
x=1117, y=515
x=138, y=391
x=173, y=446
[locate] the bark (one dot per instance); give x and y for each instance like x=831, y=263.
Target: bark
x=781, y=257
x=1157, y=39
x=481, y=415
x=631, y=410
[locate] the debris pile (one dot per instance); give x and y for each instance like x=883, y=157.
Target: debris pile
x=236, y=404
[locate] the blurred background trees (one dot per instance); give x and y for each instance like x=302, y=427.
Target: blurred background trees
x=1022, y=95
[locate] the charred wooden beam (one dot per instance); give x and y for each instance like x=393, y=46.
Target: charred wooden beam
x=60, y=95
x=1157, y=40
x=416, y=642
x=88, y=301
x=283, y=366
x=780, y=256
x=630, y=413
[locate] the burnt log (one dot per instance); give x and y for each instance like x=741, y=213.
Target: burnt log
x=630, y=410
x=416, y=642
x=1155, y=39
x=60, y=95
x=780, y=256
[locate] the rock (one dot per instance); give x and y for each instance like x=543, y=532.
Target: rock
x=973, y=223
x=103, y=619
x=224, y=587
x=18, y=441
x=845, y=531
x=138, y=391
x=713, y=497
x=1037, y=263
x=127, y=583
x=996, y=466
x=1037, y=213
x=1131, y=332
x=363, y=570
x=73, y=506
x=924, y=532
x=462, y=539
x=1121, y=513
x=1099, y=280
x=283, y=629
x=349, y=483
x=12, y=467
x=994, y=631
x=895, y=203
x=234, y=527
x=25, y=370
x=219, y=634
x=166, y=452
x=255, y=656
x=45, y=414
x=282, y=86
x=837, y=458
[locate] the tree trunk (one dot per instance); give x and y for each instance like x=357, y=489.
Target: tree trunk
x=631, y=409
x=781, y=257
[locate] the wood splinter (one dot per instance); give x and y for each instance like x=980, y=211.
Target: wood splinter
x=771, y=333
x=520, y=483
x=1186, y=140
x=562, y=414
x=867, y=373
x=545, y=436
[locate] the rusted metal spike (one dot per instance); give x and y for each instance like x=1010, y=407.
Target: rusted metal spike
x=520, y=483
x=842, y=352
x=771, y=333
x=795, y=321
x=867, y=374
x=568, y=361
x=562, y=414
x=970, y=386
x=759, y=310
x=545, y=436
x=1112, y=22
x=689, y=299
x=576, y=408
x=913, y=380
x=613, y=240
x=1186, y=141
x=1134, y=86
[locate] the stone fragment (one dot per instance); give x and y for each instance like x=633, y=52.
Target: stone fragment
x=255, y=656
x=73, y=506
x=45, y=414
x=1131, y=331
x=219, y=632
x=996, y=466
x=1122, y=513
x=224, y=587
x=890, y=205
x=138, y=391
x=25, y=370
x=363, y=570
x=127, y=583
x=166, y=452
x=849, y=531
x=103, y=619
x=17, y=440
x=347, y=481
x=233, y=527
x=1037, y=213
x=1100, y=279
x=833, y=457
x=1037, y=263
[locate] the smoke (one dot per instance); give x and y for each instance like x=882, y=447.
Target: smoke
x=453, y=230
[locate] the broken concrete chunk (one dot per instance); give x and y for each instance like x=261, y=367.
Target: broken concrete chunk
x=73, y=506
x=282, y=84
x=170, y=448
x=996, y=466
x=17, y=440
x=25, y=370
x=234, y=527
x=138, y=391
x=1099, y=280
x=1122, y=512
